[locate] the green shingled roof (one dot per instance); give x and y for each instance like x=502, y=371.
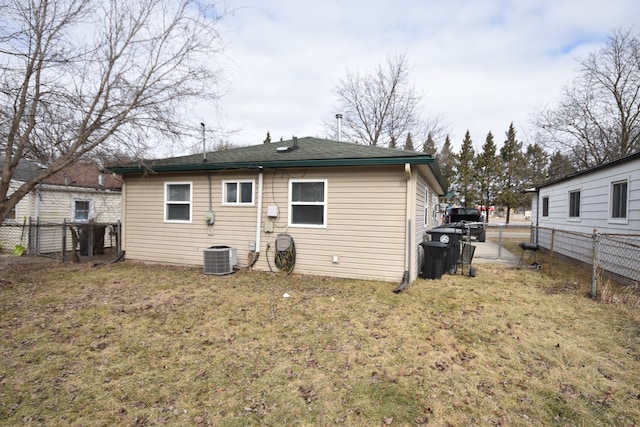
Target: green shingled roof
x=310, y=152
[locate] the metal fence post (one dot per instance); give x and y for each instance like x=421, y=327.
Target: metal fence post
x=594, y=273
x=553, y=239
x=64, y=240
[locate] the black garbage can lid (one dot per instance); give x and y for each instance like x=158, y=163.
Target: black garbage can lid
x=433, y=244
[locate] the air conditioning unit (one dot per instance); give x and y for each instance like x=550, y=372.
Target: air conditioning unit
x=220, y=260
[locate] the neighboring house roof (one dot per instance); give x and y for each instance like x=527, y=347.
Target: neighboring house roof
x=617, y=162
x=299, y=152
x=24, y=171
x=85, y=174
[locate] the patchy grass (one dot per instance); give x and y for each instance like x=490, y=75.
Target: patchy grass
x=135, y=344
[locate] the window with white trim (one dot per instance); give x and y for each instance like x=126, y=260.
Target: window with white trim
x=619, y=197
x=177, y=201
x=81, y=209
x=237, y=192
x=545, y=206
x=308, y=203
x=574, y=204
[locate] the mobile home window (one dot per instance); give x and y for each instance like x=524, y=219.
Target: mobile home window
x=237, y=193
x=545, y=206
x=81, y=210
x=177, y=202
x=619, y=200
x=574, y=204
x=308, y=203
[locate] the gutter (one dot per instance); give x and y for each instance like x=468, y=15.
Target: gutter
x=280, y=164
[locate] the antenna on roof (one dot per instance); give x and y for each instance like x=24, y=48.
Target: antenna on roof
x=204, y=145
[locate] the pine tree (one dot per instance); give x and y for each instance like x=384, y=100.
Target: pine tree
x=488, y=168
x=537, y=162
x=560, y=166
x=408, y=145
x=466, y=173
x=429, y=147
x=267, y=140
x=393, y=143
x=512, y=178
x=446, y=161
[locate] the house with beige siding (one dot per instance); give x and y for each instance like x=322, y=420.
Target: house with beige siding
x=351, y=211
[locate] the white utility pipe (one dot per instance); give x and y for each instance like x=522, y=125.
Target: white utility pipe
x=259, y=215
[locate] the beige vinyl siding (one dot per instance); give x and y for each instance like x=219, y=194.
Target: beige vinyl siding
x=149, y=238
x=365, y=221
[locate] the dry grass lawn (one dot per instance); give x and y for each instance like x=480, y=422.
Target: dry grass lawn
x=134, y=344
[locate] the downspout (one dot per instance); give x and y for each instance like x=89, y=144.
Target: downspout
x=256, y=253
x=406, y=277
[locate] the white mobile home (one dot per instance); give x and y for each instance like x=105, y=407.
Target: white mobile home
x=605, y=198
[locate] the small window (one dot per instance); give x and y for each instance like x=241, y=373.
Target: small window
x=81, y=210
x=545, y=206
x=177, y=202
x=574, y=204
x=237, y=193
x=426, y=207
x=308, y=203
x=619, y=200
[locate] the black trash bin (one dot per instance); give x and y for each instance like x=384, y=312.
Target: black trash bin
x=451, y=237
x=435, y=254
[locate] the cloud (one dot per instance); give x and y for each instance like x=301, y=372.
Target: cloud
x=482, y=64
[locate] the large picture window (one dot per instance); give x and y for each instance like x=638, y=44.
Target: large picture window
x=574, y=204
x=308, y=203
x=177, y=200
x=619, y=200
x=237, y=193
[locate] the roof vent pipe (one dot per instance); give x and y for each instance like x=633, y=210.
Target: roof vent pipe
x=204, y=145
x=339, y=120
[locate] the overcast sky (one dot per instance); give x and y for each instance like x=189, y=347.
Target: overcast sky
x=481, y=64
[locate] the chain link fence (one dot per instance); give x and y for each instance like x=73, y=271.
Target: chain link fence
x=612, y=256
x=66, y=241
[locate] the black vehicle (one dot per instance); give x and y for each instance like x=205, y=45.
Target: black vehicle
x=467, y=218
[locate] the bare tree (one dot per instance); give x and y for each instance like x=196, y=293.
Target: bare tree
x=86, y=77
x=598, y=119
x=380, y=107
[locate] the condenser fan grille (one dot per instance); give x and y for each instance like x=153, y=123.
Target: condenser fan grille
x=220, y=260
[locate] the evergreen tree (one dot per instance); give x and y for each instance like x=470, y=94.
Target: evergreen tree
x=408, y=145
x=446, y=161
x=560, y=166
x=488, y=167
x=512, y=178
x=393, y=143
x=536, y=161
x=466, y=172
x=267, y=140
x=429, y=147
